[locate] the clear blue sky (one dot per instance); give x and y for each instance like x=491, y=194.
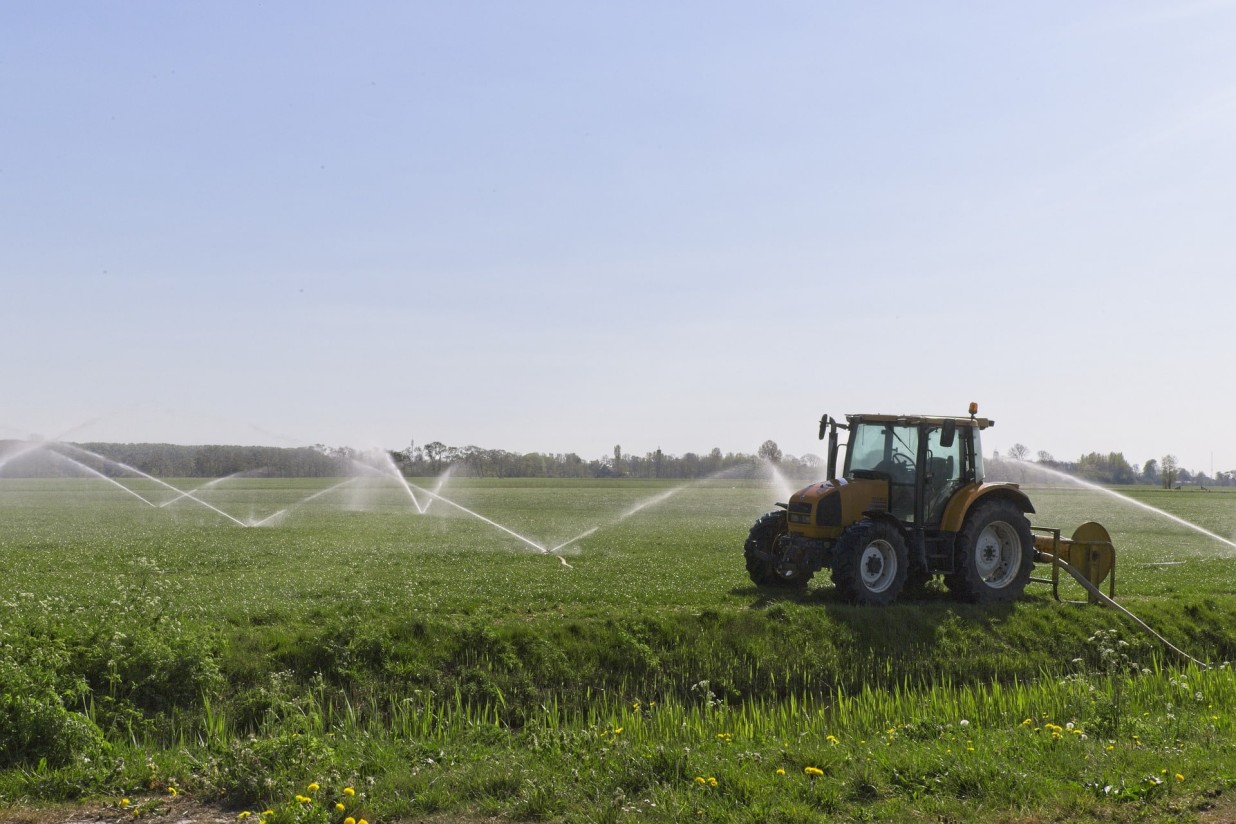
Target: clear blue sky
x=560, y=226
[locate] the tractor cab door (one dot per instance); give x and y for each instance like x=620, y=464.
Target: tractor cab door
x=888, y=450
x=943, y=474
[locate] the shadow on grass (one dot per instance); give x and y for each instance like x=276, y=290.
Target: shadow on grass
x=917, y=625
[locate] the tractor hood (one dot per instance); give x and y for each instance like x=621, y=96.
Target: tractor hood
x=819, y=510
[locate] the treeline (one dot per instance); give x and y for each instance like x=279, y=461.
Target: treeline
x=164, y=460
x=474, y=461
x=1110, y=468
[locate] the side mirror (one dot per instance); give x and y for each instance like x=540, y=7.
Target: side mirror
x=823, y=426
x=948, y=433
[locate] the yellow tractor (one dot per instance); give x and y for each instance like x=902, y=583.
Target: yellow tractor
x=910, y=503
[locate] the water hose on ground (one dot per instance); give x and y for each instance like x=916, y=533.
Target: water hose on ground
x=1106, y=601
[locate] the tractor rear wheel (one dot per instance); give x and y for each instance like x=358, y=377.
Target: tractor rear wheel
x=870, y=563
x=766, y=561
x=995, y=553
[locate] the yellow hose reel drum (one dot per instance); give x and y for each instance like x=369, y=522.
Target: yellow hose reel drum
x=1090, y=552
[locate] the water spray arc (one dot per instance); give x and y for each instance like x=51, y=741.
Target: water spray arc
x=660, y=497
x=99, y=474
x=198, y=489
x=301, y=502
x=128, y=468
x=438, y=497
x=1140, y=504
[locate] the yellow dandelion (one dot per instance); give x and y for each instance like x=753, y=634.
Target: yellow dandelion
x=124, y=802
x=362, y=821
x=313, y=788
x=712, y=781
x=339, y=806
x=172, y=791
x=303, y=799
x=348, y=791
x=780, y=771
x=349, y=820
x=243, y=815
x=1179, y=777
x=832, y=739
x=813, y=771
x=699, y=779
x=267, y=813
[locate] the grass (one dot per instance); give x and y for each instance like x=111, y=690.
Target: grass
x=441, y=664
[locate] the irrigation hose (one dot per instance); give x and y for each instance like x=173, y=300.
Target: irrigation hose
x=1106, y=601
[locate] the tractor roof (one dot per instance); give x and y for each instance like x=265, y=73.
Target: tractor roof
x=915, y=420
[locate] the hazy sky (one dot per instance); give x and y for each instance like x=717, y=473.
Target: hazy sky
x=560, y=226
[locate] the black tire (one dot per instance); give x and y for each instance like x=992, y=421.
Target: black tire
x=995, y=553
x=871, y=563
x=774, y=571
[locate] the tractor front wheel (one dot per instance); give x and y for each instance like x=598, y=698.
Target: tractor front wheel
x=870, y=563
x=767, y=563
x=995, y=553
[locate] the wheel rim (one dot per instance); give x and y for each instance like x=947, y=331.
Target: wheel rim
x=878, y=566
x=997, y=554
x=781, y=565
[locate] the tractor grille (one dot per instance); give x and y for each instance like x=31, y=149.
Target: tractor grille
x=828, y=512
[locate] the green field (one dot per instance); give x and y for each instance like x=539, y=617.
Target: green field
x=441, y=665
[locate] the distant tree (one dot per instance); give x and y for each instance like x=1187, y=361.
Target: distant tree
x=1045, y=457
x=1168, y=471
x=617, y=459
x=770, y=452
x=1150, y=471
x=1111, y=468
x=1018, y=452
x=435, y=451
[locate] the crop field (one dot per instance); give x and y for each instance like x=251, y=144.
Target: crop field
x=585, y=651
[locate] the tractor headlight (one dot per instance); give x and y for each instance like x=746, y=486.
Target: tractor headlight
x=800, y=513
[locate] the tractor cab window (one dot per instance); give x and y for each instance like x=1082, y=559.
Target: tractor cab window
x=944, y=472
x=890, y=451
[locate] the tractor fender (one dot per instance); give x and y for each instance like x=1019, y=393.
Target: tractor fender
x=883, y=515
x=968, y=496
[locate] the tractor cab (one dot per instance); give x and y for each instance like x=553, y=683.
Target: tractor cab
x=923, y=460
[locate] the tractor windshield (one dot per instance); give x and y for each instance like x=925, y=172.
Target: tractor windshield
x=886, y=448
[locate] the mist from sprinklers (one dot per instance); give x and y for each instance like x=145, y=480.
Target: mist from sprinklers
x=1055, y=473
x=142, y=474
x=780, y=483
x=371, y=468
